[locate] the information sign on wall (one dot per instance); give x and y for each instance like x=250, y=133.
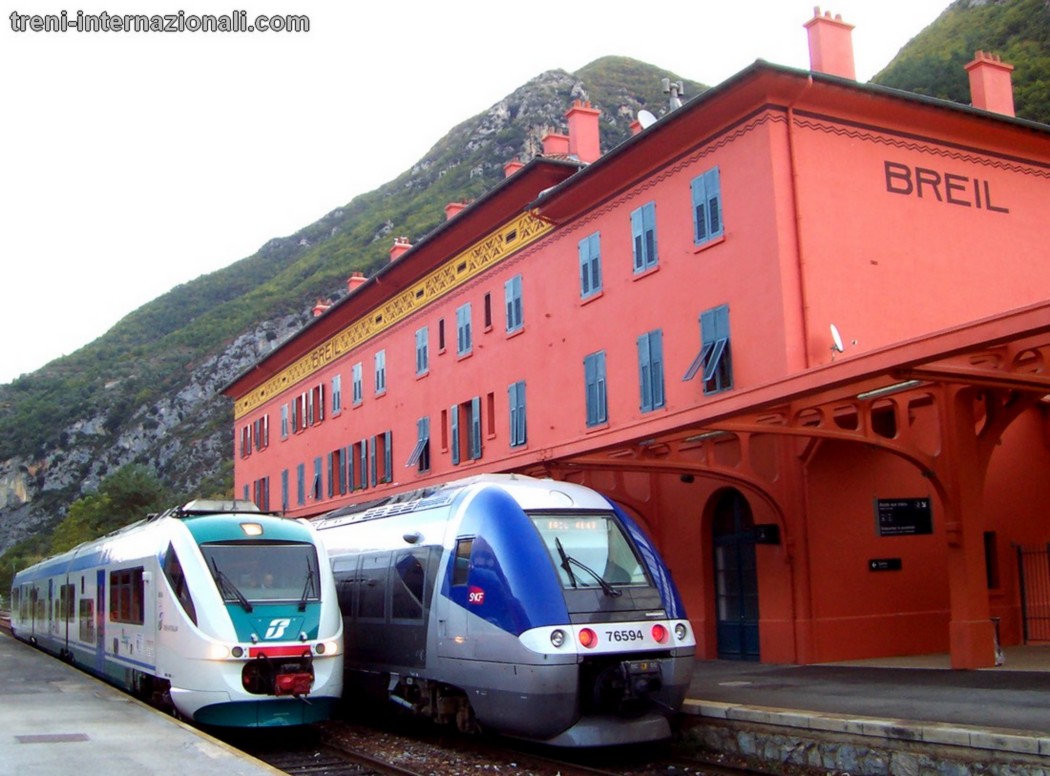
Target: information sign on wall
x=903, y=516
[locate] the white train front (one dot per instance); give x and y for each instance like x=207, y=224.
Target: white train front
x=228, y=616
x=531, y=608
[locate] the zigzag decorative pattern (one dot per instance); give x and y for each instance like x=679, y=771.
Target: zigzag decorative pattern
x=453, y=274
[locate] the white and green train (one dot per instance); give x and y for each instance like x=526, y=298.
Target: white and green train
x=227, y=615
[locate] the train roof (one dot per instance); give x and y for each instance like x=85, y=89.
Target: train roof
x=434, y=496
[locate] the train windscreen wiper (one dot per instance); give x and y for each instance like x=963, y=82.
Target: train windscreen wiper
x=227, y=587
x=307, y=588
x=567, y=561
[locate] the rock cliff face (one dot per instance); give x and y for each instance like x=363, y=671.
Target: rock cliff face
x=148, y=391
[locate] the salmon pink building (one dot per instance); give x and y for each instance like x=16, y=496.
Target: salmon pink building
x=799, y=327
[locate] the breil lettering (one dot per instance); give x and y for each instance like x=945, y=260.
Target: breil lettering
x=949, y=188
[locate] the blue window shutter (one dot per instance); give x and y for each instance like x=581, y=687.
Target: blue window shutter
x=656, y=365
x=645, y=373
x=331, y=478
x=594, y=246
x=700, y=230
x=363, y=462
x=453, y=421
x=475, y=427
x=585, y=266
x=649, y=224
x=284, y=490
x=713, y=191
x=590, y=379
x=603, y=414
x=300, y=476
x=388, y=456
x=638, y=238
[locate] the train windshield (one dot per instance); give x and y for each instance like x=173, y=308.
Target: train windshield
x=590, y=550
x=264, y=572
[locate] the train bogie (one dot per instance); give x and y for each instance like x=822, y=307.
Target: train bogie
x=227, y=616
x=531, y=608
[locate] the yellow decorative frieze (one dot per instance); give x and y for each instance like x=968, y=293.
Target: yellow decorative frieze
x=464, y=267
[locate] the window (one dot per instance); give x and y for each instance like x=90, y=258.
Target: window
x=714, y=356
x=516, y=393
x=422, y=351
x=314, y=399
x=651, y=370
x=261, y=493
x=337, y=394
x=465, y=429
x=463, y=341
x=461, y=563
x=420, y=457
x=126, y=596
x=357, y=383
x=381, y=459
x=380, y=360
x=177, y=579
x=284, y=490
x=515, y=315
x=707, y=207
x=441, y=335
x=261, y=432
x=408, y=585
x=284, y=421
x=594, y=378
x=336, y=473
x=316, y=490
x=643, y=232
x=590, y=266
x=87, y=620
x=488, y=311
x=298, y=413
x=246, y=441
x=300, y=472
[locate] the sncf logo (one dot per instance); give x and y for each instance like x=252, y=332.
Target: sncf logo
x=277, y=628
x=476, y=596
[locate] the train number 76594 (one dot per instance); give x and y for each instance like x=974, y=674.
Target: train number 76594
x=625, y=634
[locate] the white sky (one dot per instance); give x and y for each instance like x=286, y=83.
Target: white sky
x=133, y=162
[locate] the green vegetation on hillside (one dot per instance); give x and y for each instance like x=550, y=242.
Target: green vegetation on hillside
x=1018, y=31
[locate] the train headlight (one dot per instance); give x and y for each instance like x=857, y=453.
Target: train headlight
x=557, y=638
x=326, y=647
x=218, y=651
x=588, y=638
x=680, y=631
x=237, y=651
x=659, y=633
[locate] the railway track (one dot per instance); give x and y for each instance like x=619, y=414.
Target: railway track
x=345, y=748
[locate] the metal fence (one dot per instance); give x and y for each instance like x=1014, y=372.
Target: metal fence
x=1033, y=566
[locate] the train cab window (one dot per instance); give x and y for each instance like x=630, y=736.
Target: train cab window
x=589, y=550
x=126, y=596
x=250, y=573
x=177, y=579
x=461, y=561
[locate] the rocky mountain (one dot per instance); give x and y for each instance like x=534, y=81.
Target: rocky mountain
x=147, y=391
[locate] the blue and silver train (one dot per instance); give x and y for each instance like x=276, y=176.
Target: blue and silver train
x=525, y=607
x=226, y=614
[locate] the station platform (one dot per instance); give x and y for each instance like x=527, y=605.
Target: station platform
x=57, y=720
x=894, y=715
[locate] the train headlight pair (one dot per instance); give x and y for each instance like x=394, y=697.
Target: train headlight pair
x=557, y=638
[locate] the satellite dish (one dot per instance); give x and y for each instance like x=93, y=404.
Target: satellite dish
x=646, y=119
x=836, y=339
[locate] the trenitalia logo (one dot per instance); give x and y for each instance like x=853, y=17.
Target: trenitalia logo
x=277, y=628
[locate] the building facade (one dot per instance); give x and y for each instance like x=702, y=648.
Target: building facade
x=799, y=327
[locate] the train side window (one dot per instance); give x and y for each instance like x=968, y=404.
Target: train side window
x=371, y=602
x=177, y=580
x=408, y=587
x=126, y=596
x=87, y=620
x=461, y=561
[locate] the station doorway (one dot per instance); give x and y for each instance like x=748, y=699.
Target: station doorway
x=736, y=577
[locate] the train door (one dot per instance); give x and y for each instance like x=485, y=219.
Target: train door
x=452, y=639
x=100, y=620
x=736, y=578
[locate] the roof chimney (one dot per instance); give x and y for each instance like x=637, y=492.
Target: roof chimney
x=321, y=307
x=555, y=144
x=830, y=45
x=355, y=281
x=452, y=209
x=990, y=84
x=584, y=142
x=512, y=167
x=401, y=244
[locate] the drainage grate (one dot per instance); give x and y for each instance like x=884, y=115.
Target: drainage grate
x=52, y=738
